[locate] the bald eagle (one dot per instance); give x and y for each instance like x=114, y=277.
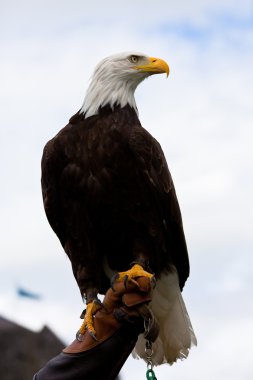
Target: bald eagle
x=109, y=197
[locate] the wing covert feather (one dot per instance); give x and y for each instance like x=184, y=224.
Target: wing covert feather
x=151, y=159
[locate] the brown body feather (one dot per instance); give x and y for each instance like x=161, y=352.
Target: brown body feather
x=107, y=191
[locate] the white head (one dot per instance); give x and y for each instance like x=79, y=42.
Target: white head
x=115, y=79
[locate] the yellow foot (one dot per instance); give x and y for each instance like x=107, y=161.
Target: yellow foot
x=87, y=324
x=133, y=273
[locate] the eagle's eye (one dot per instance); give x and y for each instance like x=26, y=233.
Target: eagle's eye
x=133, y=58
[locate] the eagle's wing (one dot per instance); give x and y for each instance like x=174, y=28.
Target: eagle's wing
x=151, y=159
x=52, y=164
x=176, y=334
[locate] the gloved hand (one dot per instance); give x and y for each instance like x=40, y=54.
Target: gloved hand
x=117, y=323
x=121, y=304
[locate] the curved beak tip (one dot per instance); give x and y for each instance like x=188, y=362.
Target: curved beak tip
x=161, y=65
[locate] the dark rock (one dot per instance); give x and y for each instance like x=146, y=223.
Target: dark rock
x=23, y=352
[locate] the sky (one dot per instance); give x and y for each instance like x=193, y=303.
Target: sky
x=202, y=115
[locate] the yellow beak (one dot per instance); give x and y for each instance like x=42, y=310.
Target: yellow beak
x=154, y=66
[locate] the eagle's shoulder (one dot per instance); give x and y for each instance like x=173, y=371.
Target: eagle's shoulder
x=57, y=148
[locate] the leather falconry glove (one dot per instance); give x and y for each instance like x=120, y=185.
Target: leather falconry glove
x=117, y=323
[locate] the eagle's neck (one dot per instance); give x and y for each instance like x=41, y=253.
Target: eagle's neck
x=109, y=90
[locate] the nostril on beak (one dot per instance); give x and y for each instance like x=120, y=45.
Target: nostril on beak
x=154, y=60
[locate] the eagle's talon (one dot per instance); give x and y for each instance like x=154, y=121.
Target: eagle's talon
x=132, y=274
x=87, y=325
x=125, y=281
x=79, y=336
x=93, y=335
x=99, y=303
x=113, y=280
x=153, y=282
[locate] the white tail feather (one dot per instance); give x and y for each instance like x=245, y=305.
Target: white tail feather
x=176, y=335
